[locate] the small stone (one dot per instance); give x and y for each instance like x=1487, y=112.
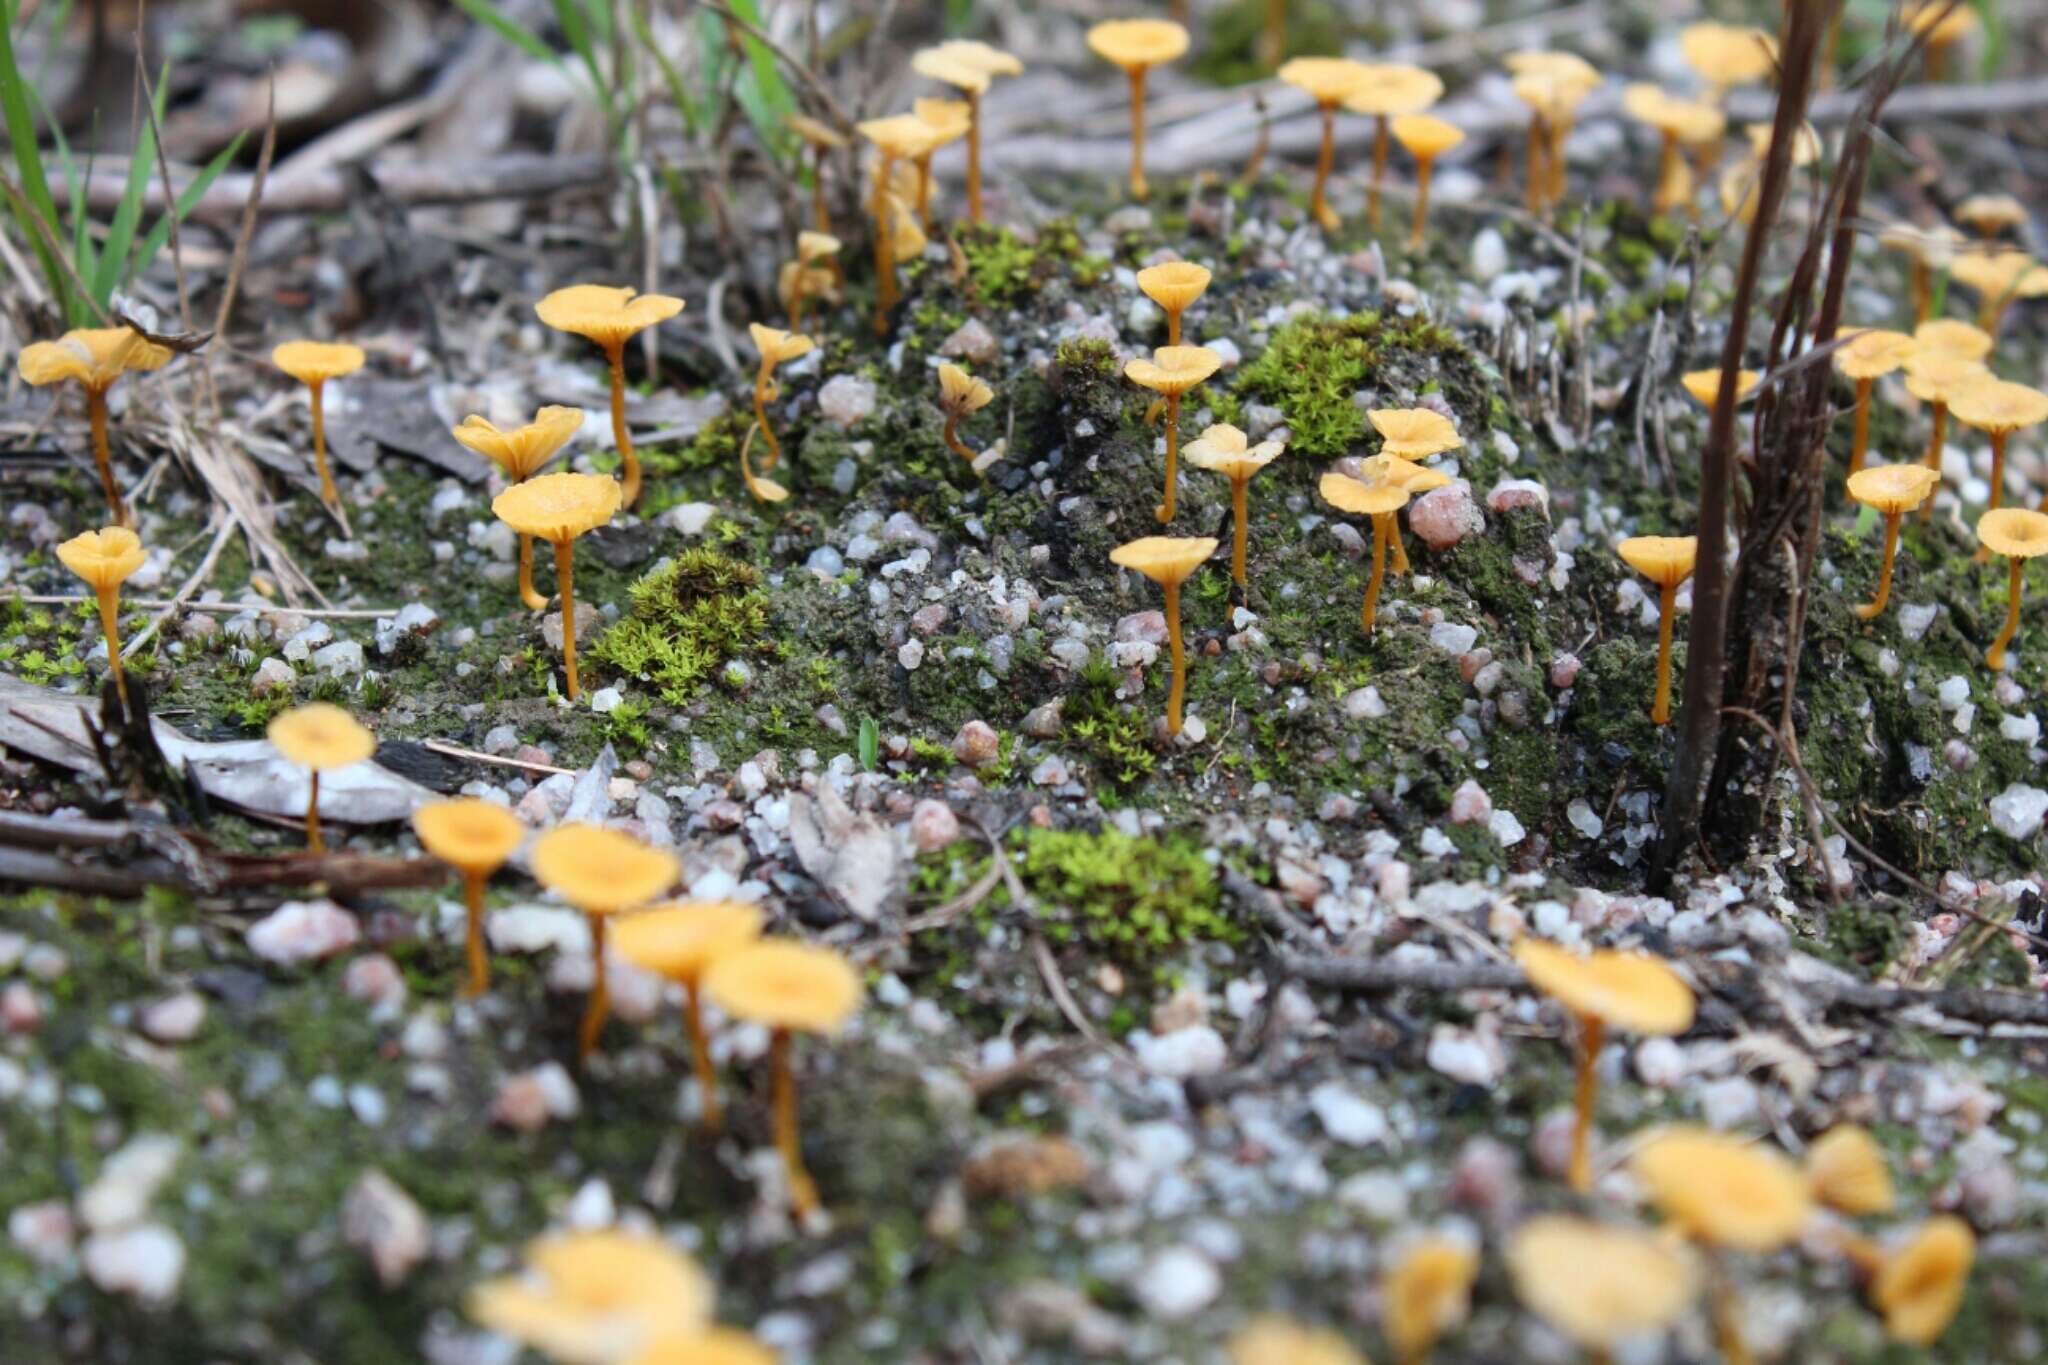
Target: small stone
x=527, y=1100
x=376, y=980
x=1348, y=1117
x=1564, y=671
x=1015, y=1167
x=933, y=826
x=1143, y=627
x=1489, y=255
x=911, y=656
x=175, y=1019
x=21, y=1009
x=1364, y=703
x=846, y=399
x=1453, y=638
x=303, y=931
x=928, y=620
x=977, y=745
x=971, y=341
x=1485, y=1178
x=588, y=619
x=145, y=1262
x=1444, y=516
x=128, y=1181
x=379, y=1219
x=1043, y=722
x=1196, y=1051
x=606, y=700
x=1177, y=1283
x=2018, y=811
x=343, y=658
x=272, y=675
x=45, y=1232
x=1914, y=620
x=1051, y=771
x=1470, y=805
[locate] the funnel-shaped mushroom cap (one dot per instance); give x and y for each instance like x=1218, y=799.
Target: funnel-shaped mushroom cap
x=679, y=941
x=1566, y=67
x=1174, y=370
x=2014, y=531
x=1416, y=478
x=1998, y=405
x=812, y=247
x=719, y=1346
x=1873, y=352
x=1175, y=284
x=1326, y=80
x=1705, y=385
x=1223, y=449
x=1554, y=97
x=605, y=315
x=558, y=507
x=1274, y=1340
x=1664, y=560
x=103, y=558
x=1135, y=44
x=1991, y=212
x=903, y=135
x=1722, y=1190
x=2000, y=274
x=469, y=834
x=1166, y=560
x=1427, y=1293
x=1893, y=487
x=1919, y=1287
x=1728, y=54
x=1392, y=88
x=960, y=392
x=951, y=117
x=523, y=451
x=1938, y=19
x=594, y=1298
x=966, y=64
x=1425, y=136
x=776, y=346
x=92, y=356
x=601, y=871
x=1634, y=992
x=1362, y=499
x=1599, y=1285
x=785, y=985
x=1933, y=247
x=319, y=736
x=316, y=362
x=1937, y=376
x=1690, y=121
x=1845, y=1170
x=817, y=133
x=1952, y=336
x=1414, y=433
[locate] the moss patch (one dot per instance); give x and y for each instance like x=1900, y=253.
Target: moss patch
x=687, y=620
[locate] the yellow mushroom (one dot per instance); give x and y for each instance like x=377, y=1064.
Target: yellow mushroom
x=1425, y=138
x=1679, y=123
x=1169, y=561
x=1866, y=357
x=1553, y=85
x=904, y=138
x=558, y=508
x=1998, y=276
x=1414, y=433
x=1271, y=1339
x=1894, y=490
x=1705, y=385
x=1138, y=45
x=313, y=363
x=1170, y=373
x=610, y=317
x=1998, y=408
x=1426, y=1294
x=681, y=942
x=969, y=67
x=823, y=140
x=2019, y=535
x=522, y=453
x=602, y=873
x=1326, y=80
x=775, y=347
x=1845, y=1170
x=319, y=738
x=1928, y=251
x=1223, y=449
x=1727, y=55
x=813, y=274
x=593, y=1298
x=106, y=559
x=1380, y=502
x=1919, y=1287
x=719, y=1346
x=1954, y=337
x=950, y=119
x=1414, y=478
x=93, y=358
x=1943, y=24
x=1174, y=286
x=1387, y=92
x=1991, y=215
x=1599, y=1284
x=960, y=394
x=1935, y=377
x=474, y=837
x=1666, y=561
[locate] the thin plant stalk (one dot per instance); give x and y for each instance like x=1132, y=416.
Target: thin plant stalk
x=1380, y=133
x=1165, y=510
x=1995, y=659
x=1662, y=201
x=1667, y=610
x=951, y=435
x=103, y=455
x=764, y=386
x=565, y=553
x=1139, y=189
x=803, y=1191
x=629, y=462
x=1539, y=177
x=924, y=192
x=1423, y=168
x=1177, y=693
x=1381, y=532
x=329, y=494
x=1399, y=550
x=1937, y=441
x=1727, y=1317
x=973, y=155
x=314, y=842
x=1997, y=470
x=479, y=961
x=529, y=594
x=110, y=624
x=1326, y=156
x=885, y=247
x=1592, y=1035
x=821, y=216
x=599, y=1006
x=700, y=1058
x=1875, y=607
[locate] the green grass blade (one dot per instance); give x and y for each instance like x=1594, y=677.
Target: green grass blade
x=695, y=115
x=569, y=15
x=763, y=95
x=35, y=186
x=113, y=262
x=511, y=30
x=161, y=233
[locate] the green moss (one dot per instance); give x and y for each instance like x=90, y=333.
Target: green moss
x=1117, y=737
x=687, y=620
x=1003, y=269
x=1309, y=370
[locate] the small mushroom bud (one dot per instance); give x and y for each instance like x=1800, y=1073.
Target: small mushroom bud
x=960, y=394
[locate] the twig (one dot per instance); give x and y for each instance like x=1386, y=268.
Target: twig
x=224, y=608
x=225, y=528
x=447, y=750
x=239, y=260
x=1266, y=905
x=515, y=175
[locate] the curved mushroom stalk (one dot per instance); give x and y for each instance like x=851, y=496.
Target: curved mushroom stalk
x=103, y=455
x=803, y=1191
x=1871, y=610
x=529, y=594
x=598, y=1007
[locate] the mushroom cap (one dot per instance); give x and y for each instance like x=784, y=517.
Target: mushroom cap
x=1326, y=80
x=604, y=314
x=1999, y=274
x=719, y=1346
x=1722, y=1190
x=1893, y=487
x=1999, y=405
x=906, y=235
x=469, y=833
x=1665, y=560
x=1414, y=433
x=1271, y=1339
x=1135, y=44
x=558, y=507
x=950, y=117
x=1173, y=285
x=601, y=871
x=679, y=941
x=92, y=356
x=592, y=1298
x=103, y=558
x=1937, y=376
x=1391, y=88
x=320, y=737
x=903, y=135
x=1845, y=1170
x=523, y=451
x=1933, y=247
x=2014, y=531
x=1635, y=992
x=1166, y=560
x=1728, y=54
x=961, y=392
x=785, y=985
x=1991, y=212
x=965, y=63
x=1173, y=370
x=1938, y=20
x=1919, y=1287
x=1568, y=67
x=1872, y=352
x=776, y=346
x=1362, y=499
x=1426, y=1294
x=1223, y=449
x=316, y=362
x=1416, y=478
x=1705, y=385
x=1599, y=1284
x=815, y=132
x=1425, y=136
x=1552, y=97
x=812, y=247
x=1954, y=336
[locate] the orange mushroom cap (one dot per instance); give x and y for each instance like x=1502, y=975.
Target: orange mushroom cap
x=1722, y=1190
x=1173, y=370
x=776, y=346
x=1893, y=487
x=558, y=507
x=1416, y=478
x=1425, y=136
x=469, y=834
x=524, y=451
x=679, y=941
x=1845, y=1169
x=1390, y=88
x=719, y=1346
x=1223, y=449
x=1998, y=405
x=2014, y=532
x=601, y=871
x=320, y=737
x=1361, y=499
x=1872, y=352
x=1166, y=560
x=1599, y=1284
x=785, y=985
x=1665, y=560
x=1635, y=992
x=1991, y=212
x=592, y=1298
x=1135, y=44
x=1174, y=285
x=1937, y=376
x=1414, y=433
x=1728, y=54
x=1951, y=335
x=91, y=356
x=960, y=392
x=1274, y=1340
x=103, y=558
x=1705, y=385
x=1326, y=80
x=965, y=64
x=1919, y=1287
x=604, y=314
x=316, y=362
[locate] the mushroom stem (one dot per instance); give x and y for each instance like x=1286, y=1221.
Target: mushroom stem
x=1380, y=126
x=1326, y=156
x=885, y=247
x=1178, y=692
x=1875, y=607
x=1539, y=179
x=629, y=463
x=1240, y=500
x=110, y=623
x=1921, y=285
x=924, y=192
x=1667, y=608
x=1138, y=187
x=952, y=437
x=1937, y=441
x=1165, y=510
x=700, y=1058
x=479, y=962
x=1662, y=200
x=1423, y=166
x=314, y=843
x=1997, y=470
x=1592, y=1034
x=1173, y=326
x=1859, y=446
x=103, y=455
x=329, y=494
x=1380, y=534
x=1560, y=129
x=764, y=386
x=973, y=155
x=1996, y=658
x=821, y=217
x=803, y=1191
x=565, y=554
x=1398, y=564
x=600, y=1003
x=1727, y=1317
x=527, y=592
